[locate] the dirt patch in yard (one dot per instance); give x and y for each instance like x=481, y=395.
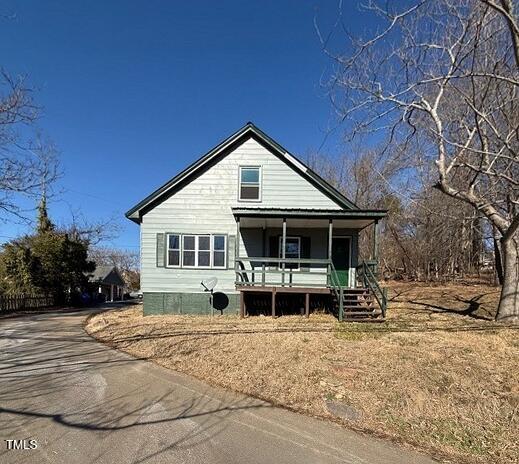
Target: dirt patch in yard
x=438, y=374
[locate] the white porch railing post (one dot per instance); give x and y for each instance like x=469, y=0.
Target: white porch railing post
x=375, y=246
x=330, y=235
x=237, y=251
x=237, y=244
x=283, y=250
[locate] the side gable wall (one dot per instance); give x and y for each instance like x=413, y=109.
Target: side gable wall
x=204, y=206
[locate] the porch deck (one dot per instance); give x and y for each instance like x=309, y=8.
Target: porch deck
x=307, y=252
x=271, y=275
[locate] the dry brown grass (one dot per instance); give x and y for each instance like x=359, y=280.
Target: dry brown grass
x=434, y=375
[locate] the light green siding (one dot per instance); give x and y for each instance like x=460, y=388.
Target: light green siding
x=204, y=206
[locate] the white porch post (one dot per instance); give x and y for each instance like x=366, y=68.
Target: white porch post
x=111, y=292
x=237, y=244
x=283, y=249
x=375, y=247
x=236, y=267
x=264, y=240
x=237, y=256
x=330, y=236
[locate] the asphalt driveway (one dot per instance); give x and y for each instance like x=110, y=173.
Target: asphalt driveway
x=83, y=403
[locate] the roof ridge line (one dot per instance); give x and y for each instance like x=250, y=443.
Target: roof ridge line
x=291, y=159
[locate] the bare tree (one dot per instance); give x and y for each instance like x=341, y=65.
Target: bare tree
x=126, y=261
x=426, y=236
x=444, y=75
x=26, y=167
x=92, y=232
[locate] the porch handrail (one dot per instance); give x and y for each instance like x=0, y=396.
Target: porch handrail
x=337, y=288
x=265, y=264
x=332, y=280
x=285, y=260
x=369, y=280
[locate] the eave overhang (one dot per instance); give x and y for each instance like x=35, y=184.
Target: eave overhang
x=374, y=214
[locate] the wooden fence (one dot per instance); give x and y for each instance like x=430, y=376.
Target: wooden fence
x=10, y=303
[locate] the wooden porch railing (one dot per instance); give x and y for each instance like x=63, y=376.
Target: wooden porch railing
x=367, y=276
x=284, y=267
x=260, y=267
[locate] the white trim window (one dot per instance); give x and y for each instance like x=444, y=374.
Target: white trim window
x=205, y=251
x=250, y=183
x=189, y=243
x=292, y=250
x=219, y=251
x=173, y=247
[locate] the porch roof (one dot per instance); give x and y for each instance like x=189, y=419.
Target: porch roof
x=358, y=218
x=311, y=213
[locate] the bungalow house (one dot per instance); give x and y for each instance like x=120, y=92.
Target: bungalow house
x=107, y=284
x=270, y=230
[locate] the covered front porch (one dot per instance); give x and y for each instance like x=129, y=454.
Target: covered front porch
x=303, y=252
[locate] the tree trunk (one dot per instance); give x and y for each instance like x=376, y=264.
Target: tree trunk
x=498, y=264
x=508, y=310
x=477, y=245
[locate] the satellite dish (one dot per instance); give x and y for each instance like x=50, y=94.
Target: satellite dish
x=209, y=284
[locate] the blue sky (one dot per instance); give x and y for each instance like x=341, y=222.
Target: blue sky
x=134, y=91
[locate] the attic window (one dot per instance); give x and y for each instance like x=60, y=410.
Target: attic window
x=250, y=183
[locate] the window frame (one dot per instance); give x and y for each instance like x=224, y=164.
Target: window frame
x=280, y=248
x=251, y=184
x=224, y=251
x=196, y=250
x=179, y=249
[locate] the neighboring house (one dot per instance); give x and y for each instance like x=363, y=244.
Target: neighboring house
x=255, y=217
x=107, y=284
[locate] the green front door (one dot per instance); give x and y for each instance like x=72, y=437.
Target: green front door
x=341, y=248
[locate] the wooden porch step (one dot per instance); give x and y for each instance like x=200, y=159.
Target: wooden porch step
x=362, y=314
x=359, y=309
x=356, y=294
x=358, y=305
x=350, y=307
x=364, y=311
x=357, y=302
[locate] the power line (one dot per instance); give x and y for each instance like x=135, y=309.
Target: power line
x=106, y=200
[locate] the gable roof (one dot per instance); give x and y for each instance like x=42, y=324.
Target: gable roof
x=106, y=275
x=221, y=150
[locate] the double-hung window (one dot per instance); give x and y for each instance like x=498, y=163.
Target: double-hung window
x=292, y=250
x=204, y=251
x=197, y=251
x=219, y=251
x=173, y=250
x=250, y=183
x=189, y=250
